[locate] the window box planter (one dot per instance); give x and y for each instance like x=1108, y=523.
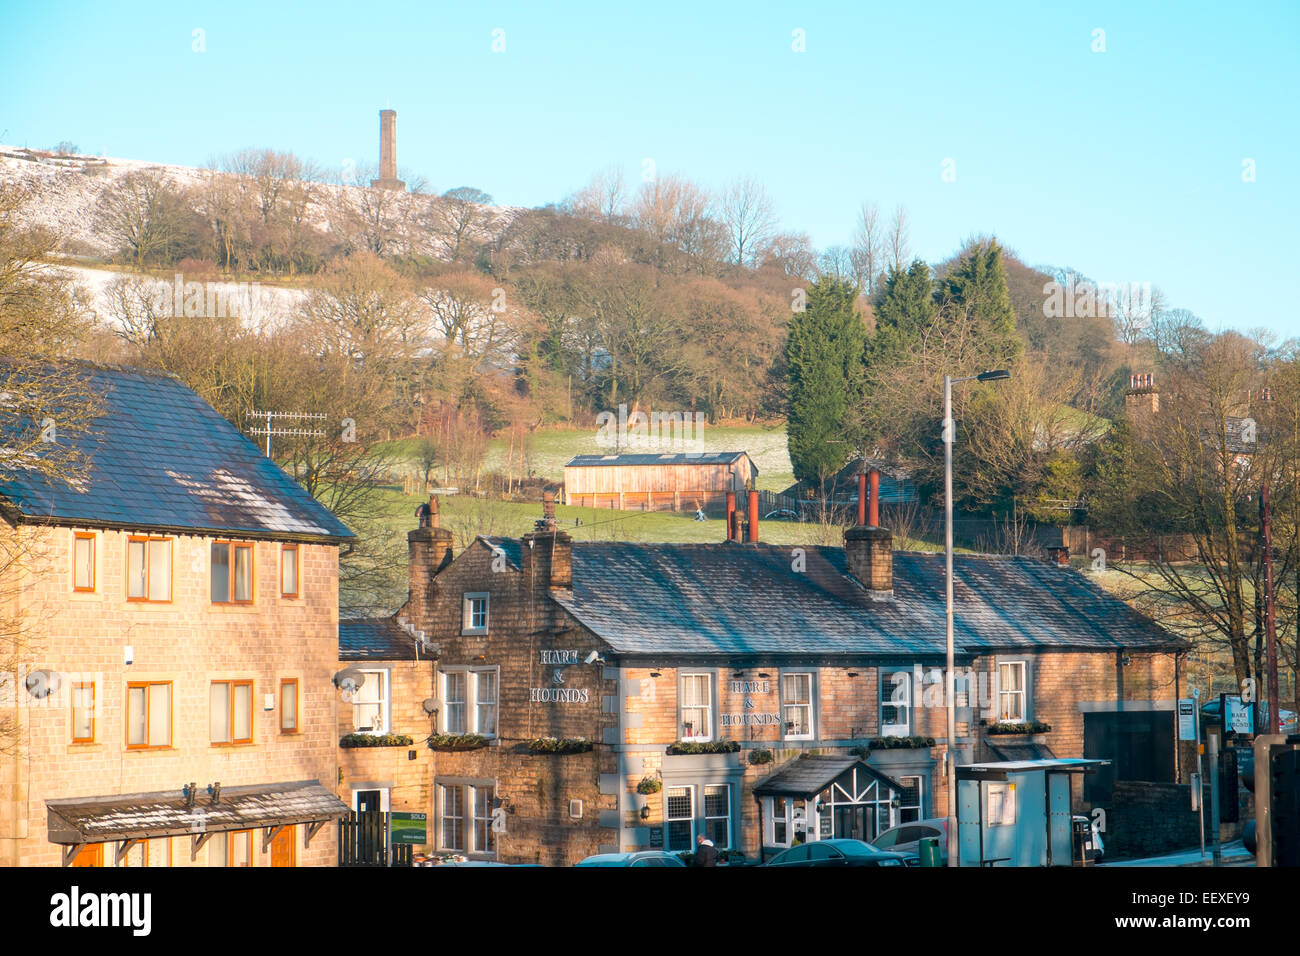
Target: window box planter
x=456, y=741
x=901, y=743
x=1021, y=728
x=374, y=740
x=684, y=747
x=559, y=745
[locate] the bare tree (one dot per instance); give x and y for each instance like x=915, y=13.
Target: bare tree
x=897, y=240
x=140, y=211
x=748, y=214
x=456, y=214
x=868, y=247
x=604, y=198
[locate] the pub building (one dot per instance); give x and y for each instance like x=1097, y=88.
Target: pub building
x=607, y=696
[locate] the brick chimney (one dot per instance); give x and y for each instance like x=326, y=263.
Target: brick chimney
x=430, y=552
x=869, y=548
x=753, y=517
x=1142, y=396
x=547, y=554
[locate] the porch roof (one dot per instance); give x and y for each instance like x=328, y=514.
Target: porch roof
x=809, y=775
x=143, y=816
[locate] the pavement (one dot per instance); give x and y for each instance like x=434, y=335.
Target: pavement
x=1234, y=854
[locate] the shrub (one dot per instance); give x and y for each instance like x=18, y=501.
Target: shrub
x=708, y=747
x=757, y=757
x=861, y=752
x=375, y=740
x=901, y=743
x=456, y=741
x=559, y=745
x=649, y=785
x=1020, y=727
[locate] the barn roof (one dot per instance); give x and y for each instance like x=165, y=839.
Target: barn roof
x=160, y=457
x=729, y=600
x=674, y=458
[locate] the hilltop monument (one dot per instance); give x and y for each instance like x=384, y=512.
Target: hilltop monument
x=388, y=153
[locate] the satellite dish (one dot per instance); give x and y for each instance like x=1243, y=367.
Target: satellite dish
x=430, y=706
x=349, y=679
x=41, y=684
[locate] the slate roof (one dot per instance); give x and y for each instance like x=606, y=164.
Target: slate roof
x=162, y=458
x=677, y=458
x=729, y=601
x=374, y=639
x=810, y=774
x=163, y=813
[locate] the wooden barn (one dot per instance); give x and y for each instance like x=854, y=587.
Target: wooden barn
x=682, y=481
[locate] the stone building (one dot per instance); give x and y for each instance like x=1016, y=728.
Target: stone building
x=600, y=696
x=174, y=619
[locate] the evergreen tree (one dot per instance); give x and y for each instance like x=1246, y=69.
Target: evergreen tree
x=824, y=349
x=905, y=310
x=977, y=288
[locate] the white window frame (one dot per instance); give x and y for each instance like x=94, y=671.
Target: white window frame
x=467, y=625
x=900, y=696
x=467, y=795
x=669, y=821
x=704, y=809
x=779, y=810
x=707, y=707
x=384, y=796
x=1022, y=693
x=919, y=806
x=810, y=705
x=472, y=704
x=385, y=704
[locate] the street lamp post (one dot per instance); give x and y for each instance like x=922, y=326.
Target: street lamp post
x=949, y=435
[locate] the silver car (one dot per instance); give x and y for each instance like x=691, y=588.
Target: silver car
x=906, y=839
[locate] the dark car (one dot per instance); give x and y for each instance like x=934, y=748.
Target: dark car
x=781, y=514
x=642, y=858
x=835, y=853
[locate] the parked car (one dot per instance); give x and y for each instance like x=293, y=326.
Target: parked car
x=641, y=858
x=835, y=853
x=781, y=514
x=905, y=839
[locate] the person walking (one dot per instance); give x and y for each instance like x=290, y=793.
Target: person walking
x=706, y=854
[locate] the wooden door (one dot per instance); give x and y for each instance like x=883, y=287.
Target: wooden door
x=284, y=848
x=92, y=854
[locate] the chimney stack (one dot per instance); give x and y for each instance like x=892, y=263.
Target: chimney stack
x=1059, y=555
x=868, y=548
x=753, y=516
x=387, y=153
x=547, y=554
x=731, y=515
x=429, y=547
x=1142, y=395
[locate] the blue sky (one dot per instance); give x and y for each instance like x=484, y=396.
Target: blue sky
x=1125, y=164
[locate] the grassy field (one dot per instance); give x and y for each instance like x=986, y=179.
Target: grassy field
x=468, y=517
x=552, y=448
